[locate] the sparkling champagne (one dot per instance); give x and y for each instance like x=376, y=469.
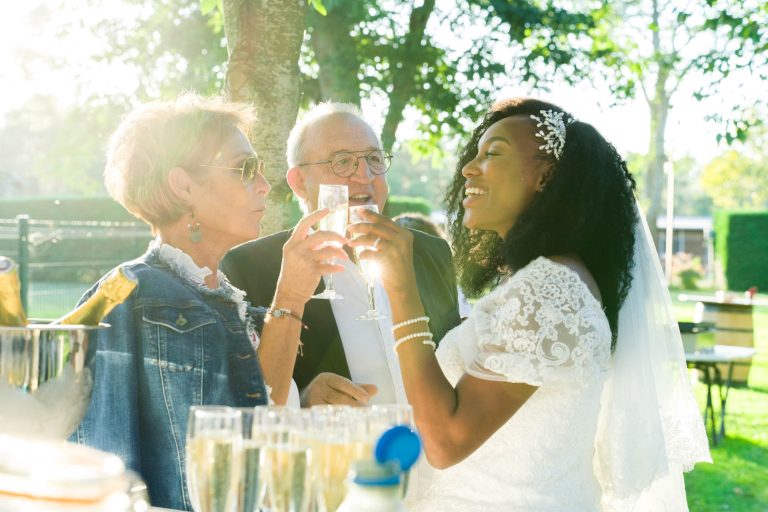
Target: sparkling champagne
x=213, y=472
x=361, y=450
x=369, y=268
x=288, y=486
x=112, y=291
x=335, y=221
x=251, y=481
x=11, y=311
x=330, y=465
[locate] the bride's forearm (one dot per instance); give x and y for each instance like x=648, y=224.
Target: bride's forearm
x=431, y=395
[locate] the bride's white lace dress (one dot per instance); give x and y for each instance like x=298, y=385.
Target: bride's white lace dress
x=543, y=327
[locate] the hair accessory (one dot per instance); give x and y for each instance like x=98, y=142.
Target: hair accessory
x=412, y=321
x=194, y=229
x=553, y=132
x=426, y=335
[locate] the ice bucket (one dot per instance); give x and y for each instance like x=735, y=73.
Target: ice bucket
x=45, y=383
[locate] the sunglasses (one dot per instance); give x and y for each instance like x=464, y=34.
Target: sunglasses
x=251, y=167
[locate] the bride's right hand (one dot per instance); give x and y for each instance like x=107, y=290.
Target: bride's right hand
x=306, y=258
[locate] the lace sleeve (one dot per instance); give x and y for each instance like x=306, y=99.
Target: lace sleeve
x=542, y=325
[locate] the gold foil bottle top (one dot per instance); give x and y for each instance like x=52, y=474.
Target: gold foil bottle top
x=11, y=311
x=114, y=289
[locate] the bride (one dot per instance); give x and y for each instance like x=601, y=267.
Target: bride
x=566, y=388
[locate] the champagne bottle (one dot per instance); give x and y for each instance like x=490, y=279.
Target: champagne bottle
x=11, y=311
x=114, y=289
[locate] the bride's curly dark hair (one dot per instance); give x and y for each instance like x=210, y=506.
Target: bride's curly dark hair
x=587, y=208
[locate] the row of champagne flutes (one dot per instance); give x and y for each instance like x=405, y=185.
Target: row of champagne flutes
x=280, y=459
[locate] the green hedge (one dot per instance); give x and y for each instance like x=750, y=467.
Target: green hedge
x=395, y=206
x=106, y=209
x=741, y=244
x=404, y=204
x=66, y=208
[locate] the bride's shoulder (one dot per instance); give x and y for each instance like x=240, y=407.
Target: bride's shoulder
x=552, y=267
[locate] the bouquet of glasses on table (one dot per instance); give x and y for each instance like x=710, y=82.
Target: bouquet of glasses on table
x=280, y=459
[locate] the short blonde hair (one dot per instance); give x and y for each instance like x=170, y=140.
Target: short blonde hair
x=157, y=137
x=297, y=139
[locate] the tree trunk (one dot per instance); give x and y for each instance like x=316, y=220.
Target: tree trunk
x=264, y=39
x=336, y=51
x=404, y=71
x=659, y=110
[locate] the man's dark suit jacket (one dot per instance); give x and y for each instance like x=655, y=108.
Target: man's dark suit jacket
x=255, y=267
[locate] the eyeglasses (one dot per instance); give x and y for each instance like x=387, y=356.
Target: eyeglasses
x=252, y=166
x=345, y=164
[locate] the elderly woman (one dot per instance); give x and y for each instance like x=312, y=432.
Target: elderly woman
x=185, y=336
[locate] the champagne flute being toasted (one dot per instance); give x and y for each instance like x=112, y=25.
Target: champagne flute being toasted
x=369, y=268
x=336, y=199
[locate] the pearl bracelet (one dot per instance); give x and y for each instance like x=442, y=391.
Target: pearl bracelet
x=412, y=321
x=426, y=341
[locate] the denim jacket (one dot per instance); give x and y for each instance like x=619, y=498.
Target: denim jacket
x=172, y=345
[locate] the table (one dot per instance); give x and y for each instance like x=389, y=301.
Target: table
x=707, y=361
x=734, y=325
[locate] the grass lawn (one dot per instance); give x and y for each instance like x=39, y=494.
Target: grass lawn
x=738, y=479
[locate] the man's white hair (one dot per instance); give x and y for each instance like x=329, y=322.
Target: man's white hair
x=297, y=138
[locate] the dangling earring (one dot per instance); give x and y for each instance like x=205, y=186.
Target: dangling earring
x=194, y=229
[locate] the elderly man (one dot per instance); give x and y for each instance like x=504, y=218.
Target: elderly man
x=345, y=360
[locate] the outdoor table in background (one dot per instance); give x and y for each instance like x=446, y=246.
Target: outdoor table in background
x=708, y=361
x=731, y=315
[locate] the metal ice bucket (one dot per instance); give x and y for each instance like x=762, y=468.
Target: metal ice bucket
x=45, y=383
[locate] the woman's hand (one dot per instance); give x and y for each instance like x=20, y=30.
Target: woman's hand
x=306, y=258
x=393, y=253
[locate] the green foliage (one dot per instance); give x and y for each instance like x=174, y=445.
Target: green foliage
x=403, y=204
x=735, y=180
x=691, y=199
x=52, y=150
x=415, y=176
x=318, y=6
x=741, y=245
x=708, y=41
x=686, y=271
x=175, y=45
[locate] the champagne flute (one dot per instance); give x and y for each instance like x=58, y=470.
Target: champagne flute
x=369, y=268
x=331, y=455
x=251, y=487
x=214, y=437
x=336, y=199
x=284, y=459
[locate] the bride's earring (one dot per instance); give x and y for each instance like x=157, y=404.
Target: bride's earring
x=194, y=229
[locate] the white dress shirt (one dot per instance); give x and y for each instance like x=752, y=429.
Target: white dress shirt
x=368, y=344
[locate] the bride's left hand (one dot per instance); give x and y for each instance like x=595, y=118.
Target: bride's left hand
x=394, y=249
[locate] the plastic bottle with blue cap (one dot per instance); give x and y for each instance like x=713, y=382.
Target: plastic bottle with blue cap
x=375, y=484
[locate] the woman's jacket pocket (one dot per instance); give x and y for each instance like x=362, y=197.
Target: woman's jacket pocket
x=175, y=335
